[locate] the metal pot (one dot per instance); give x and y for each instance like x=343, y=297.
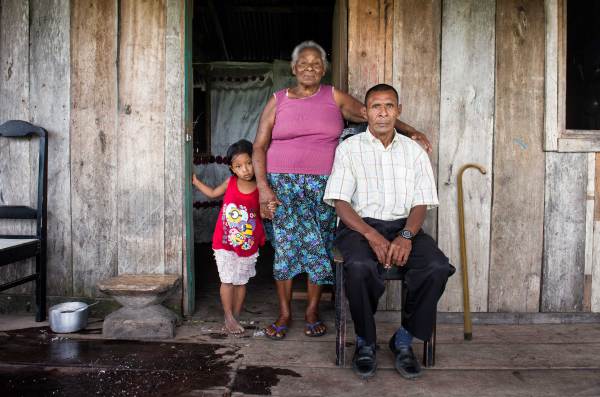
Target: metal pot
x=68, y=317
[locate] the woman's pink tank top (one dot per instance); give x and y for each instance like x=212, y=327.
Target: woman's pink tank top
x=305, y=134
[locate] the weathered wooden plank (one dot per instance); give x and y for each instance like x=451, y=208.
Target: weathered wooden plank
x=561, y=76
x=366, y=46
x=49, y=79
x=466, y=134
x=589, y=232
x=14, y=64
x=16, y=178
x=578, y=144
x=417, y=73
x=386, y=30
x=551, y=76
x=564, y=232
x=93, y=143
x=339, y=52
x=174, y=222
x=369, y=24
x=141, y=137
x=595, y=287
x=416, y=76
x=518, y=209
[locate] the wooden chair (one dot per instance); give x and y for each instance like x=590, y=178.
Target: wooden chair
x=341, y=314
x=14, y=248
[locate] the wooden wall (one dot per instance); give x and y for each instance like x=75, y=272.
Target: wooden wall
x=474, y=76
x=16, y=156
x=105, y=78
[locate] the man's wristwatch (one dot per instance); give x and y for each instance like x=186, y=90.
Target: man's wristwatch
x=405, y=233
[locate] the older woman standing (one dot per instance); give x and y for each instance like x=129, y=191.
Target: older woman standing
x=293, y=154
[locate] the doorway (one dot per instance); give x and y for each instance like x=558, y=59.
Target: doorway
x=240, y=56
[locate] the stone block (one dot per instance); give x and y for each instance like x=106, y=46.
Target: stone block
x=151, y=322
x=142, y=316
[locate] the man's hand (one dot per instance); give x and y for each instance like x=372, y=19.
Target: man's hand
x=379, y=244
x=421, y=140
x=398, y=251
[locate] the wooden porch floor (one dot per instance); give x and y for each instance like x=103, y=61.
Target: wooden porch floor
x=501, y=360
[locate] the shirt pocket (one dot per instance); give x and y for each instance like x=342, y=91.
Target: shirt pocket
x=404, y=187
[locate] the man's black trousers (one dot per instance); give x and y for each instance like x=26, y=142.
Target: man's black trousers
x=425, y=274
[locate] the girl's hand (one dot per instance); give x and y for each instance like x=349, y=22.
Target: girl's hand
x=194, y=179
x=266, y=197
x=272, y=206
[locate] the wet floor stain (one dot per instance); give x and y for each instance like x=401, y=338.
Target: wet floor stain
x=218, y=335
x=77, y=382
x=37, y=362
x=259, y=380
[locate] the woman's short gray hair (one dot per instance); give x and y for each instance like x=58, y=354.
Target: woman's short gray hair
x=309, y=44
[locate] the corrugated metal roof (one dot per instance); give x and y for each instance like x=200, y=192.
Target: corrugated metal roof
x=258, y=30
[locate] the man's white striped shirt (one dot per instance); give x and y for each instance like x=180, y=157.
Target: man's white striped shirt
x=379, y=182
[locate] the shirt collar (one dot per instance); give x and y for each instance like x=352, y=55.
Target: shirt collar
x=373, y=140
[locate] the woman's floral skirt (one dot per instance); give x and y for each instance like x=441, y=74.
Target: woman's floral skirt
x=303, y=228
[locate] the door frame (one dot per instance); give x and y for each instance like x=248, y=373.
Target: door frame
x=189, y=288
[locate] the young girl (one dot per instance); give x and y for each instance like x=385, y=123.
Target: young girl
x=238, y=232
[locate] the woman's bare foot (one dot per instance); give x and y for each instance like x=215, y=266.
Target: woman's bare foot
x=278, y=329
x=314, y=326
x=232, y=326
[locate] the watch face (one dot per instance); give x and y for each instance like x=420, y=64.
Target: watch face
x=406, y=234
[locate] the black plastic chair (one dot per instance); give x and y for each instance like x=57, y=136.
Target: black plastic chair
x=14, y=248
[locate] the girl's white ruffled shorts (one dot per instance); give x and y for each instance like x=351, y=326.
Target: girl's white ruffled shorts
x=234, y=269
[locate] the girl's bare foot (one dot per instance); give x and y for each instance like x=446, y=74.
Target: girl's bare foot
x=232, y=326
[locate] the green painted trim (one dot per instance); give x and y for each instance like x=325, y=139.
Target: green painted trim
x=187, y=114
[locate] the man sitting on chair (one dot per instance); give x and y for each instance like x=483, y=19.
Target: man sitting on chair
x=381, y=186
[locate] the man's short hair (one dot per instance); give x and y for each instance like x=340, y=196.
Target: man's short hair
x=380, y=88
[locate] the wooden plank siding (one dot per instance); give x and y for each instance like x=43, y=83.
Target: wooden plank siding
x=93, y=142
x=595, y=271
x=141, y=137
x=174, y=140
x=416, y=76
x=589, y=232
x=551, y=74
x=416, y=73
x=564, y=232
x=16, y=179
x=49, y=107
x=370, y=32
x=518, y=209
x=466, y=135
x=366, y=45
x=115, y=134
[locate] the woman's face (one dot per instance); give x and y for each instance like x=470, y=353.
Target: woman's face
x=309, y=69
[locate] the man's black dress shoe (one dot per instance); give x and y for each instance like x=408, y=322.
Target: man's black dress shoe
x=406, y=363
x=364, y=362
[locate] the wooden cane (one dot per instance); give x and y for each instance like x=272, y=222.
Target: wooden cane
x=468, y=326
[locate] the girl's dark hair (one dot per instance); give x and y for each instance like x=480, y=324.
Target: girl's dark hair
x=240, y=147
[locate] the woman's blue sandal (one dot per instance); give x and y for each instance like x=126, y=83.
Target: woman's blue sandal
x=312, y=331
x=280, y=332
